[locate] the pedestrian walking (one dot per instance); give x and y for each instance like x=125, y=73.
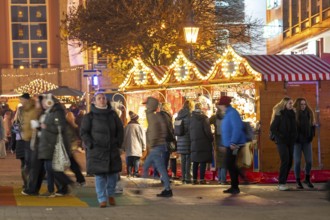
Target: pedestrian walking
x=156, y=141
x=102, y=133
x=51, y=123
x=233, y=138
x=306, y=132
x=284, y=129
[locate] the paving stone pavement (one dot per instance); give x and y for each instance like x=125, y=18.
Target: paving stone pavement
x=189, y=202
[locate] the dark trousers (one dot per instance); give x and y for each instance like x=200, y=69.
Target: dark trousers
x=232, y=168
x=132, y=162
x=173, y=166
x=27, y=156
x=286, y=156
x=76, y=170
x=202, y=169
x=36, y=173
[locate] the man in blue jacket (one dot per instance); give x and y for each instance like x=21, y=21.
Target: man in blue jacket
x=233, y=137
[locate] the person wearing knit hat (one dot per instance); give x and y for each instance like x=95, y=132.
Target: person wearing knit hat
x=134, y=144
x=224, y=100
x=233, y=138
x=133, y=116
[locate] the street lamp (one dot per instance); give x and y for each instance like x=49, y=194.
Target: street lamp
x=191, y=33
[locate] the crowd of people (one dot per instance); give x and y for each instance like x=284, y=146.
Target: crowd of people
x=32, y=133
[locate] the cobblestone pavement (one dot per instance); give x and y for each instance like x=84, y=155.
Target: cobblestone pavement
x=189, y=202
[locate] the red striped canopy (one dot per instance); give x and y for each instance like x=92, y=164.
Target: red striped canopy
x=289, y=67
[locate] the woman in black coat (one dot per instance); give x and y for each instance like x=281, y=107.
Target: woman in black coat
x=283, y=127
x=183, y=142
x=52, y=122
x=102, y=133
x=201, y=142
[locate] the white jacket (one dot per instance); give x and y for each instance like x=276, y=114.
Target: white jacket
x=134, y=140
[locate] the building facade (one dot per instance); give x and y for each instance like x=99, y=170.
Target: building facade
x=299, y=27
x=31, y=48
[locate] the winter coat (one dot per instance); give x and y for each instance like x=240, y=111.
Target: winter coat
x=201, y=138
x=102, y=133
x=220, y=150
x=305, y=129
x=29, y=113
x=232, y=128
x=134, y=139
x=183, y=142
x=284, y=127
x=169, y=126
x=157, y=130
x=53, y=118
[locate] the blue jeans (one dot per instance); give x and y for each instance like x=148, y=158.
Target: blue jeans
x=156, y=159
x=306, y=149
x=105, y=185
x=166, y=158
x=222, y=175
x=50, y=175
x=186, y=167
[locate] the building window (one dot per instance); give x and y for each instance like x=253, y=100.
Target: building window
x=29, y=33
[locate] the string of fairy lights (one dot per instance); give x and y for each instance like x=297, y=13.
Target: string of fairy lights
x=36, y=86
x=182, y=68
x=18, y=73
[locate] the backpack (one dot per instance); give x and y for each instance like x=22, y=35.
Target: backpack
x=178, y=127
x=248, y=131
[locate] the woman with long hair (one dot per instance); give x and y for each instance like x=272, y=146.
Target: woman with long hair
x=283, y=127
x=306, y=131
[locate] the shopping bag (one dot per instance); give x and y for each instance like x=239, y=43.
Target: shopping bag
x=244, y=156
x=61, y=160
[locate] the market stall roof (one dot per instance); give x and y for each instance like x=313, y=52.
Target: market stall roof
x=289, y=67
x=65, y=91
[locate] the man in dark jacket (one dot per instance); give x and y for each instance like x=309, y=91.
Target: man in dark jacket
x=156, y=141
x=102, y=133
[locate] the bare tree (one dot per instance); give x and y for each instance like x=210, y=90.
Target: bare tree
x=153, y=29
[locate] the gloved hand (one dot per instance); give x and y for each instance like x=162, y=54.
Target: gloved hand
x=34, y=124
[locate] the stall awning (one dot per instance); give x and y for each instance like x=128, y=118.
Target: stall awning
x=289, y=67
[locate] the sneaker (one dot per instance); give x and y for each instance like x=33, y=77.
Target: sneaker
x=283, y=187
x=59, y=194
x=165, y=193
x=112, y=201
x=48, y=195
x=103, y=204
x=232, y=191
x=26, y=193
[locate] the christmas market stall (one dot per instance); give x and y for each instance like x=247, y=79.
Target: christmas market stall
x=256, y=83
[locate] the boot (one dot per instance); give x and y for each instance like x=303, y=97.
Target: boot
x=308, y=181
x=299, y=185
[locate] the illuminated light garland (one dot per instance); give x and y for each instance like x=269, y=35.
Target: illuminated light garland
x=141, y=72
x=182, y=68
x=36, y=73
x=36, y=86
